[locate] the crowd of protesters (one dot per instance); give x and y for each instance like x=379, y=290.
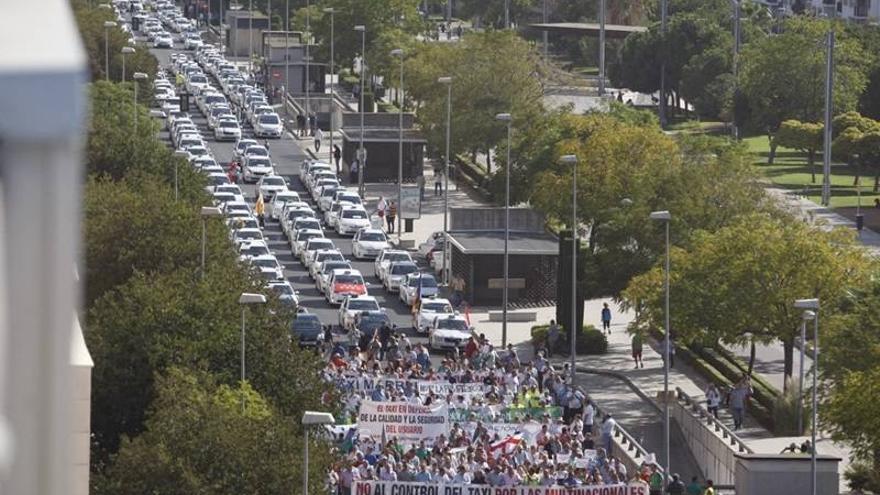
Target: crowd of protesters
x=569, y=444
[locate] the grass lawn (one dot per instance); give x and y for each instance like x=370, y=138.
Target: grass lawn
x=791, y=171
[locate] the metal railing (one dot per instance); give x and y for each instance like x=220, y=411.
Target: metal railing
x=699, y=411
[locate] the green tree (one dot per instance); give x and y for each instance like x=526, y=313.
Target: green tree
x=490, y=13
x=90, y=21
x=802, y=136
x=492, y=72
x=857, y=135
x=200, y=440
x=738, y=285
x=378, y=16
x=154, y=322
x=782, y=77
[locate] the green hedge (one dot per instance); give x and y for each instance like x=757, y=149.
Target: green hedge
x=589, y=341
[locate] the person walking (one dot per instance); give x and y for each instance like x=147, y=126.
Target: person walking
x=737, y=399
x=381, y=209
x=313, y=124
x=353, y=172
x=438, y=182
x=676, y=486
x=552, y=337
x=391, y=216
x=608, y=424
x=337, y=155
x=671, y=351
x=260, y=210
x=300, y=124
x=710, y=488
x=637, y=344
x=319, y=135
x=694, y=487
x=606, y=318
x=713, y=400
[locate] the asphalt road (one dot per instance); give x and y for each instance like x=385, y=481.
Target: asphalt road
x=287, y=156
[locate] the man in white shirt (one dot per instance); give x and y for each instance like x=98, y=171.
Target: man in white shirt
x=589, y=415
x=608, y=431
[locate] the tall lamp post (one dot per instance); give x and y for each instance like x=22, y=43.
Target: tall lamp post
x=206, y=213
x=573, y=161
x=813, y=305
x=312, y=418
x=329, y=10
x=251, y=38
x=245, y=299
x=397, y=52
x=737, y=14
x=107, y=26
x=447, y=81
x=362, y=155
x=505, y=117
x=665, y=217
x=126, y=50
x=808, y=315
x=829, y=110
x=308, y=59
x=662, y=106
x=602, y=47
x=137, y=76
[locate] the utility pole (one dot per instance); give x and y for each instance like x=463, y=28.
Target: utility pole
x=662, y=106
x=829, y=104
x=601, y=48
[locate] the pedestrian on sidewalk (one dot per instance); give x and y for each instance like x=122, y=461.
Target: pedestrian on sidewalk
x=655, y=481
x=319, y=135
x=353, y=172
x=671, y=352
x=606, y=318
x=457, y=286
x=713, y=400
x=392, y=216
x=637, y=344
x=694, y=487
x=381, y=208
x=552, y=337
x=337, y=155
x=260, y=210
x=710, y=488
x=737, y=399
x=589, y=417
x=300, y=124
x=608, y=424
x=676, y=486
x=313, y=123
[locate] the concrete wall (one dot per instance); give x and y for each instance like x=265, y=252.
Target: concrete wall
x=381, y=120
x=759, y=474
x=521, y=219
x=712, y=451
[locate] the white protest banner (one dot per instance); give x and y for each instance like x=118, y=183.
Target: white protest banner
x=528, y=431
x=402, y=488
x=444, y=388
x=409, y=423
x=360, y=383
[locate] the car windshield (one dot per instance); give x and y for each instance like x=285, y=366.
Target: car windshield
x=310, y=224
x=268, y=119
x=282, y=290
x=243, y=145
x=351, y=199
x=257, y=151
x=198, y=79
x=363, y=305
x=349, y=279
x=307, y=324
x=258, y=162
x=452, y=324
x=328, y=191
x=304, y=236
x=273, y=181
x=373, y=237
x=247, y=235
x=329, y=267
x=329, y=257
x=355, y=214
x=371, y=321
x=228, y=123
x=315, y=245
x=436, y=307
x=392, y=257
x=266, y=263
x=217, y=180
x=426, y=281
x=255, y=250
x=232, y=189
x=299, y=213
x=403, y=269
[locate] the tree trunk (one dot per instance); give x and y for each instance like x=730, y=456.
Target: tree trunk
x=811, y=160
x=877, y=179
x=858, y=177
x=488, y=162
x=678, y=103
x=788, y=351
x=772, y=155
x=751, y=357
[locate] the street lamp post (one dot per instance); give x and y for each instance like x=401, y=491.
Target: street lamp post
x=662, y=106
x=807, y=316
x=397, y=52
x=362, y=155
x=665, y=217
x=250, y=38
x=544, y=20
x=813, y=305
x=446, y=264
x=737, y=14
x=506, y=14
x=601, y=47
x=829, y=109
x=137, y=76
x=245, y=299
x=311, y=418
x=505, y=117
x=308, y=59
x=207, y=212
x=573, y=161
x=126, y=50
x=330, y=11
x=286, y=58
x=107, y=26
